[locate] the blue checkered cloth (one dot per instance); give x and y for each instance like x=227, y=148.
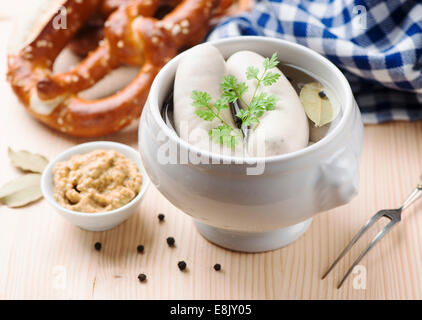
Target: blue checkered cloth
x=376, y=43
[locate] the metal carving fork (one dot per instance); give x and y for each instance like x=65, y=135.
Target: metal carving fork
x=393, y=214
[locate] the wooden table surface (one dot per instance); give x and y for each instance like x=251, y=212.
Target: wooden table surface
x=44, y=256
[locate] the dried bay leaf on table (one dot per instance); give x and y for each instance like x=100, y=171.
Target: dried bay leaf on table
x=21, y=191
x=318, y=108
x=27, y=161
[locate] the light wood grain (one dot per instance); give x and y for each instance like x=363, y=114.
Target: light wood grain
x=37, y=246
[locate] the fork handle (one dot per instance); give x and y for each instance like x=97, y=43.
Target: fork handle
x=412, y=197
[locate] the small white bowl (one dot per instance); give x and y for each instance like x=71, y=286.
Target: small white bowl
x=95, y=221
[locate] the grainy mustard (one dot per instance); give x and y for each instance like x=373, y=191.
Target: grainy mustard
x=99, y=181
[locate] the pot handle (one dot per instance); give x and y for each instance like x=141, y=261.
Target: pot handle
x=338, y=180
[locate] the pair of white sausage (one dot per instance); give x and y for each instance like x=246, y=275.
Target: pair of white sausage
x=280, y=131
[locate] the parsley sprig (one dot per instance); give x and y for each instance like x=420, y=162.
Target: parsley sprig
x=233, y=90
x=222, y=134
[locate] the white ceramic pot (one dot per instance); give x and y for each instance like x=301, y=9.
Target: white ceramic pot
x=245, y=212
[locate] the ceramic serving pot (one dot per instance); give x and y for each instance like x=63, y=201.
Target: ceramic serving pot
x=255, y=204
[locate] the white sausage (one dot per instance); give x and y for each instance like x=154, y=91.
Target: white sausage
x=282, y=130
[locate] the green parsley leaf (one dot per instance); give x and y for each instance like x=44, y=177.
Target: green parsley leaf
x=264, y=101
x=250, y=121
x=270, y=78
x=228, y=83
x=241, y=89
x=232, y=90
x=200, y=98
x=205, y=114
x=222, y=135
x=252, y=73
x=271, y=63
x=242, y=114
x=229, y=96
x=221, y=104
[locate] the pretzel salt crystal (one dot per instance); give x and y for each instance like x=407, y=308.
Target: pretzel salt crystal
x=130, y=38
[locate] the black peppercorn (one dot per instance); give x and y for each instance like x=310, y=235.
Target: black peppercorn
x=142, y=277
x=97, y=246
x=140, y=248
x=170, y=241
x=181, y=265
x=161, y=217
x=217, y=267
x=322, y=94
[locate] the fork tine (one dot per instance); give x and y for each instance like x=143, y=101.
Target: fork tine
x=368, y=224
x=377, y=238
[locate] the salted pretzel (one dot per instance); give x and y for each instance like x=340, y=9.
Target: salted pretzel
x=132, y=37
x=93, y=31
